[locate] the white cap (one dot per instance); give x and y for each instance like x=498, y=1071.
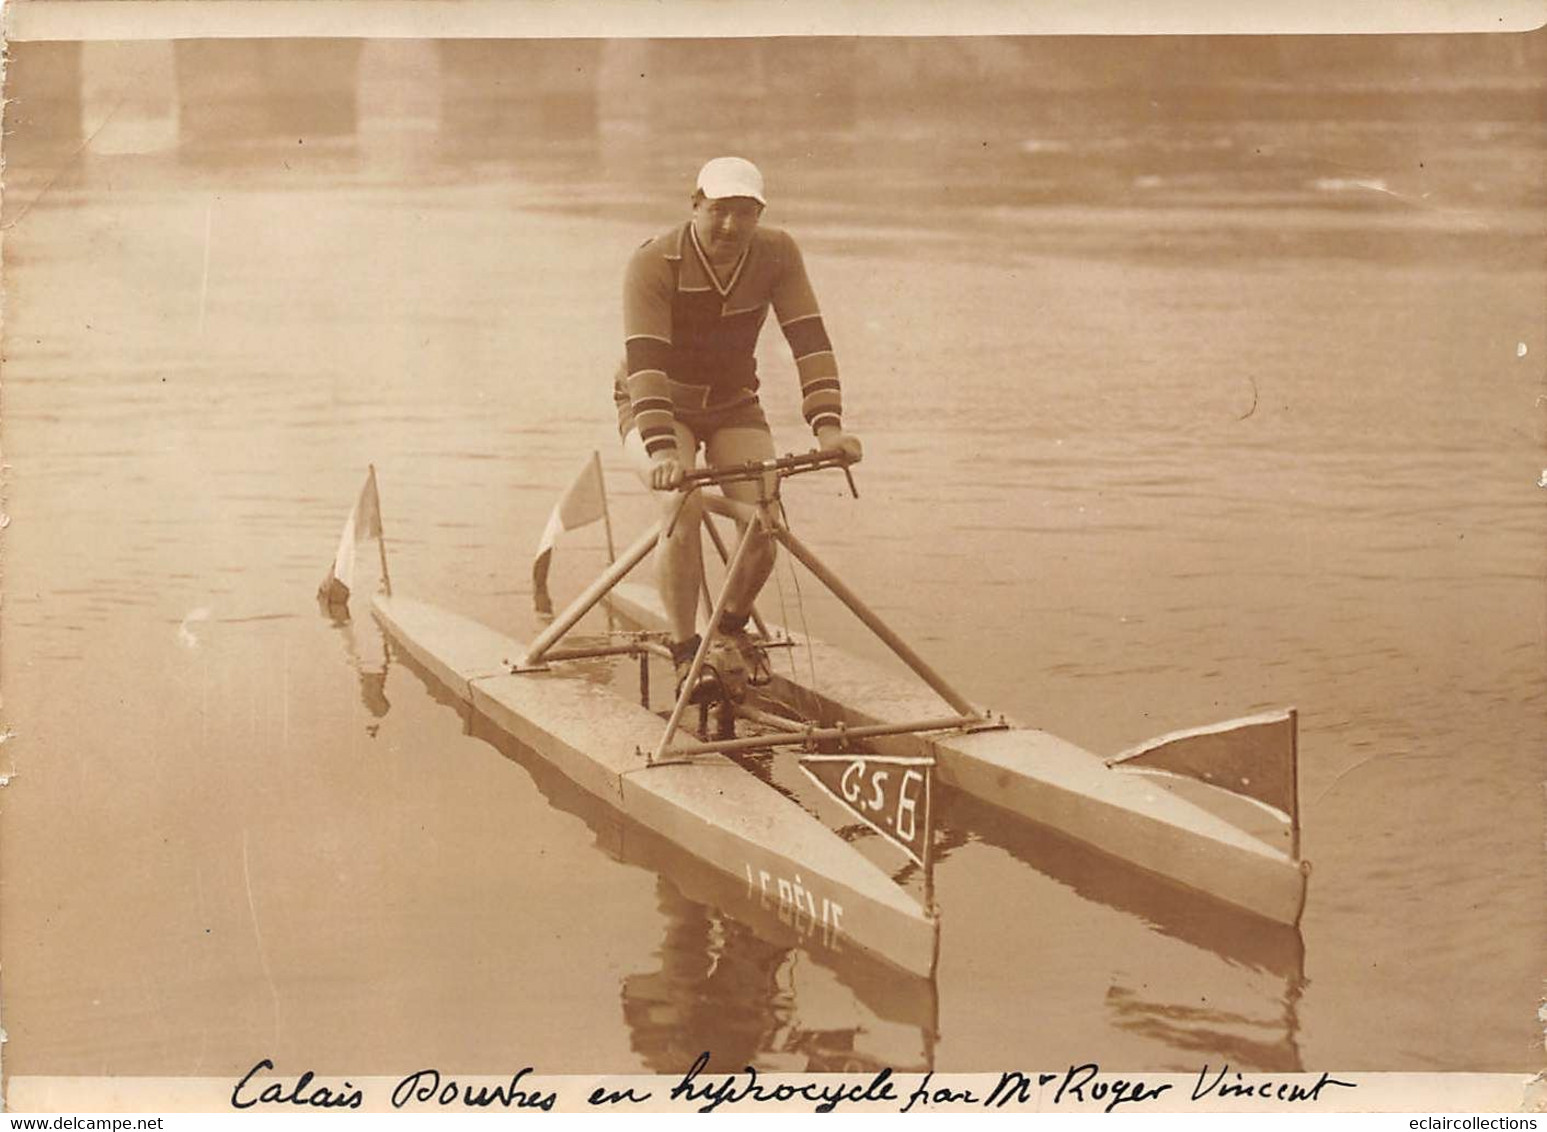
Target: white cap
x=731, y=177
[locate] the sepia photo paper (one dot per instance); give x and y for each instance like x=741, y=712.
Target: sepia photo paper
x=773, y=557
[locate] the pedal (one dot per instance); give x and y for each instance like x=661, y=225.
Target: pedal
x=734, y=674
x=761, y=674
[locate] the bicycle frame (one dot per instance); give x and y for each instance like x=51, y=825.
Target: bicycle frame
x=766, y=518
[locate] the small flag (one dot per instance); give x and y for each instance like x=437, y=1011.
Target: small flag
x=892, y=795
x=1256, y=756
x=584, y=502
x=364, y=522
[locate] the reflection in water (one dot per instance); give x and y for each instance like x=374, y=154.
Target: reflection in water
x=1238, y=937
x=1169, y=121
x=1171, y=909
x=724, y=988
x=365, y=645
x=1216, y=1032
x=234, y=92
x=719, y=988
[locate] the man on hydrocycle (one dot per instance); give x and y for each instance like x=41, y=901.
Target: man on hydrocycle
x=694, y=301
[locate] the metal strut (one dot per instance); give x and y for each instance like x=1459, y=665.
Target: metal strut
x=762, y=519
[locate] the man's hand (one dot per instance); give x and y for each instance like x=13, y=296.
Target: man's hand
x=666, y=470
x=833, y=439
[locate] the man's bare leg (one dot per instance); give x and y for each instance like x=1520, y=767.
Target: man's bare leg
x=679, y=559
x=729, y=446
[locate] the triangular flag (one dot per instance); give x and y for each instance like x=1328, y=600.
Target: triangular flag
x=584, y=502
x=364, y=522
x=891, y=794
x=1256, y=756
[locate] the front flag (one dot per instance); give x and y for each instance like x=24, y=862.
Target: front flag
x=584, y=502
x=364, y=522
x=890, y=795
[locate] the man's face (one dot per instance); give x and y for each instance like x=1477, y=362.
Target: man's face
x=725, y=225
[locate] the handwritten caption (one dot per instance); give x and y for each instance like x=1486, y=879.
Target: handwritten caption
x=1084, y=1086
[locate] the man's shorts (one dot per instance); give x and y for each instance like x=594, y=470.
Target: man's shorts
x=743, y=410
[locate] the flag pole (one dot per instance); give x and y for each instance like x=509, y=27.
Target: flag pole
x=601, y=486
x=381, y=539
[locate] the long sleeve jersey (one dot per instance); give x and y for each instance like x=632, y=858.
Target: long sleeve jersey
x=682, y=326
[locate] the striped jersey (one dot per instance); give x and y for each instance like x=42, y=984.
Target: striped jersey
x=683, y=328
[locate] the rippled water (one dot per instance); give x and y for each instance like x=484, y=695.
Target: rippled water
x=1128, y=469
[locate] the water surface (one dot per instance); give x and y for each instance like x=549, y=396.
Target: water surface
x=1131, y=466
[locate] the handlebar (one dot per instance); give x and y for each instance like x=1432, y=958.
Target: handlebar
x=781, y=467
